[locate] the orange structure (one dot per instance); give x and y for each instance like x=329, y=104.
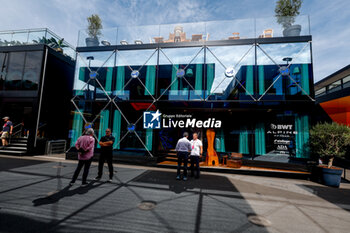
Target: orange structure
x=212, y=158
x=338, y=109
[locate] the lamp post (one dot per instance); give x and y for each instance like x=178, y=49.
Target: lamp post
x=287, y=59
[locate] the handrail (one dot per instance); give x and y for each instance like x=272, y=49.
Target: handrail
x=17, y=132
x=55, y=147
x=16, y=125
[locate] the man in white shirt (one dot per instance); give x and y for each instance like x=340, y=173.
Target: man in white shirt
x=183, y=147
x=196, y=154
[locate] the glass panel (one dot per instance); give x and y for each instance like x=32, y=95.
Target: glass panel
x=107, y=37
x=15, y=71
x=32, y=70
x=222, y=86
x=19, y=38
x=138, y=35
x=283, y=69
x=5, y=39
x=289, y=26
x=230, y=30
x=101, y=64
x=184, y=32
x=36, y=37
x=142, y=64
x=181, y=74
x=128, y=126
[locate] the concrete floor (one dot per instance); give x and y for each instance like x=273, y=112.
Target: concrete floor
x=34, y=197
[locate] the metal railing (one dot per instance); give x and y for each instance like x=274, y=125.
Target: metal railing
x=36, y=36
x=18, y=131
x=55, y=147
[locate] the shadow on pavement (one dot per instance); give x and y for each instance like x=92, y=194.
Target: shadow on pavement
x=208, y=182
x=66, y=192
x=337, y=196
x=212, y=203
x=16, y=223
x=11, y=163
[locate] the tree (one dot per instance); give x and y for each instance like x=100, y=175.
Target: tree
x=286, y=10
x=329, y=140
x=94, y=26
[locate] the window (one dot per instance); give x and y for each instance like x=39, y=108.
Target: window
x=346, y=81
x=336, y=86
x=3, y=63
x=23, y=70
x=15, y=71
x=31, y=75
x=321, y=91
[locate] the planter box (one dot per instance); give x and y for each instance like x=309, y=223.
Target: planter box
x=331, y=176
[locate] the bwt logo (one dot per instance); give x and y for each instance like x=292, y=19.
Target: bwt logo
x=281, y=127
x=151, y=120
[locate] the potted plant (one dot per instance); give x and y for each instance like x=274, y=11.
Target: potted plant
x=327, y=141
x=52, y=42
x=93, y=30
x=57, y=44
x=286, y=11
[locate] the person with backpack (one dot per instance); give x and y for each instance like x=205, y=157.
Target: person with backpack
x=85, y=146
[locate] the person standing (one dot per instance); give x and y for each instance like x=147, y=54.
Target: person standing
x=183, y=147
x=6, y=131
x=85, y=146
x=106, y=144
x=196, y=154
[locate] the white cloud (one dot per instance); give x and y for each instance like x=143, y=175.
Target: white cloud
x=329, y=20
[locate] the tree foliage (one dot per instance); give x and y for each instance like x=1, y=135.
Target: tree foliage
x=94, y=26
x=52, y=42
x=286, y=10
x=329, y=140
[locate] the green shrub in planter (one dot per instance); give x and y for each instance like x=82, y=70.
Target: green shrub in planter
x=94, y=30
x=286, y=11
x=327, y=141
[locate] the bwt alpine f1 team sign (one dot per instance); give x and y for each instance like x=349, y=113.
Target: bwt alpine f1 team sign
x=157, y=120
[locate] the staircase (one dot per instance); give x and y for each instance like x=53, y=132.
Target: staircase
x=17, y=146
x=168, y=157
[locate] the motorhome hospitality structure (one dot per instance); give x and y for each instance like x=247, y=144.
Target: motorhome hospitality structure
x=255, y=88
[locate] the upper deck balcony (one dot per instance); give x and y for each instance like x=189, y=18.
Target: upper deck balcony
x=37, y=36
x=248, y=60
x=239, y=31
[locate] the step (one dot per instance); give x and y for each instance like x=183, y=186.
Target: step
x=18, y=144
x=168, y=154
x=170, y=159
x=19, y=139
x=14, y=148
x=13, y=152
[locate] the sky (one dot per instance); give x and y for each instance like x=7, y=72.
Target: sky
x=329, y=20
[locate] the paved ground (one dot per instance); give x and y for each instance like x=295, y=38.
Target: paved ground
x=34, y=197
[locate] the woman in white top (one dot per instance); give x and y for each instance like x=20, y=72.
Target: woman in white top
x=196, y=154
